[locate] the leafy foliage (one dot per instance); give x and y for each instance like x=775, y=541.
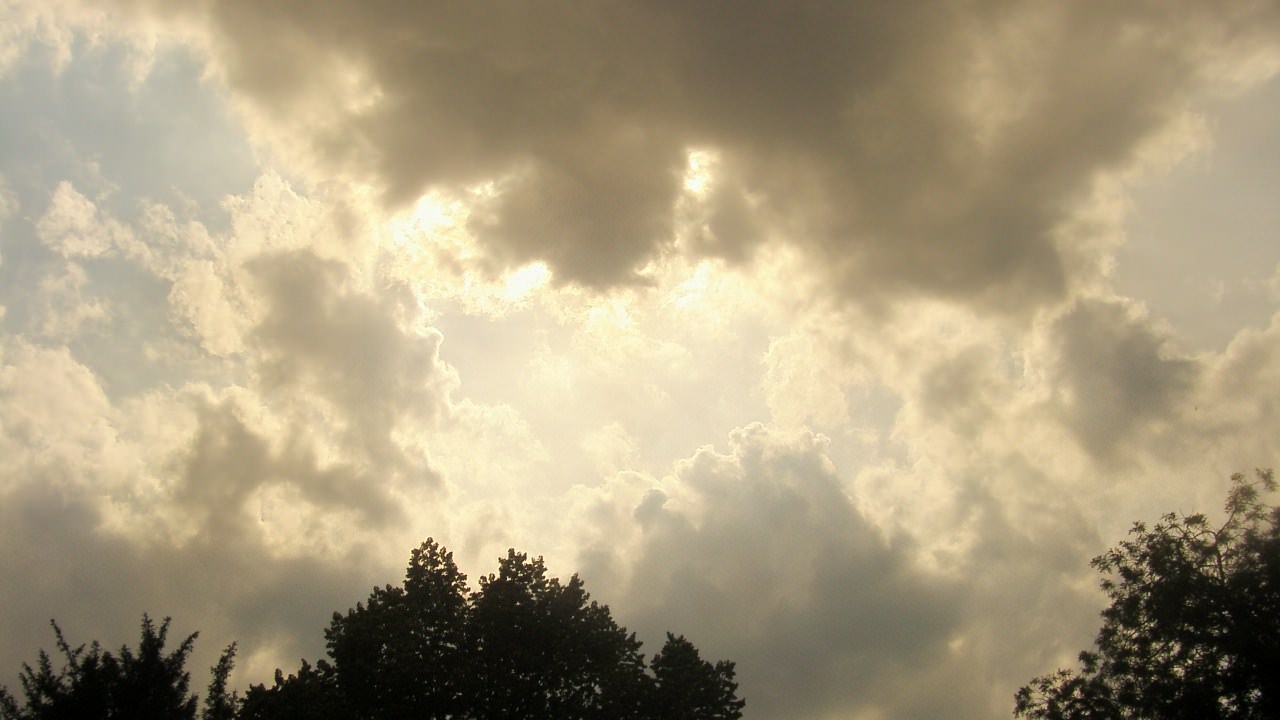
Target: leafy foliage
x=1193, y=628
x=93, y=683
x=524, y=645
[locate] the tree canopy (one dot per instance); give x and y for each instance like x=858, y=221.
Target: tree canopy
x=1193, y=626
x=146, y=684
x=523, y=645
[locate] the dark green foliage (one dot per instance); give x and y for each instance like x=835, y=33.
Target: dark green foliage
x=1193, y=628
x=523, y=646
x=93, y=683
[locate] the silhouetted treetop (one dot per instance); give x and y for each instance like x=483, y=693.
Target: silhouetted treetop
x=145, y=684
x=686, y=686
x=1193, y=628
x=523, y=645
x=402, y=651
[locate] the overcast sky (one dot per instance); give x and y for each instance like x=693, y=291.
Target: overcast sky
x=837, y=337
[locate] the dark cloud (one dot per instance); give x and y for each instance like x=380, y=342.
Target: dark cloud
x=760, y=556
x=1117, y=375
x=320, y=336
x=932, y=149
x=961, y=391
x=63, y=564
x=226, y=461
x=80, y=546
x=248, y=516
x=93, y=534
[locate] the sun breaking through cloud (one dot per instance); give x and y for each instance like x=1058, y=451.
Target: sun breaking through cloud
x=835, y=336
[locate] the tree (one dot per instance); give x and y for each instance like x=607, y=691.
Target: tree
x=311, y=694
x=93, y=683
x=1193, y=625
x=219, y=704
x=542, y=649
x=402, y=653
x=523, y=645
x=688, y=687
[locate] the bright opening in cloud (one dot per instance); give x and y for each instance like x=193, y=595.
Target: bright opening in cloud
x=519, y=284
x=699, y=172
x=837, y=337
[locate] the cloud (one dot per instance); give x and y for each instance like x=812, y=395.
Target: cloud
x=8, y=202
x=63, y=309
x=760, y=555
x=201, y=300
x=71, y=226
x=644, y=224
x=318, y=338
x=96, y=583
x=935, y=151
x=1116, y=374
x=1240, y=397
x=53, y=412
x=252, y=477
x=28, y=22
x=254, y=510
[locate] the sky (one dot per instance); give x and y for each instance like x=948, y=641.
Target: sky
x=837, y=337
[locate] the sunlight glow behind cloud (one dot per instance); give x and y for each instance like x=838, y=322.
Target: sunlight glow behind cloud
x=835, y=337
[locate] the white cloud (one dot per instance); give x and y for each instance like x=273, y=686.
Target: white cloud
x=199, y=297
x=72, y=227
x=63, y=306
x=26, y=22
x=55, y=413
x=807, y=374
x=611, y=448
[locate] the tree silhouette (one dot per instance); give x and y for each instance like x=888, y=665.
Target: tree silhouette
x=523, y=645
x=686, y=686
x=542, y=649
x=402, y=653
x=311, y=694
x=220, y=704
x=1193, y=628
x=93, y=683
